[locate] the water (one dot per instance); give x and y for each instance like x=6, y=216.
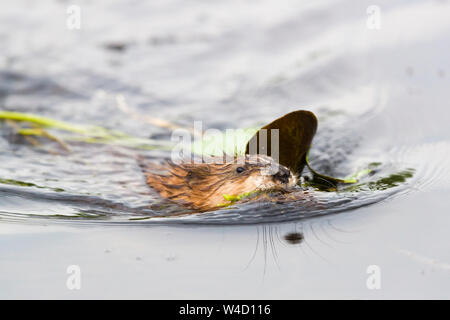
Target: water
x=380, y=97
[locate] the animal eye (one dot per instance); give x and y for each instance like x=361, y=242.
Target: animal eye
x=240, y=169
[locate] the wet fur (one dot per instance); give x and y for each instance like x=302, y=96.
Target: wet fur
x=202, y=186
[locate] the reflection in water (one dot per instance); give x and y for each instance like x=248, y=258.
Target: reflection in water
x=268, y=238
x=293, y=237
x=271, y=239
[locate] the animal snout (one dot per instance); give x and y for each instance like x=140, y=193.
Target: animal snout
x=283, y=174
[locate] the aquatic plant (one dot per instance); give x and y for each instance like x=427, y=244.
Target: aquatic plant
x=88, y=134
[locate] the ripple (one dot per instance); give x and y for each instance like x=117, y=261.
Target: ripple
x=303, y=203
x=100, y=185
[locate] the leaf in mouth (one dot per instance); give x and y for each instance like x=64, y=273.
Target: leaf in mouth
x=296, y=131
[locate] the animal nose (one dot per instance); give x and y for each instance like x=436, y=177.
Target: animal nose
x=283, y=174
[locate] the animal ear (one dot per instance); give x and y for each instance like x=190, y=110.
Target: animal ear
x=198, y=172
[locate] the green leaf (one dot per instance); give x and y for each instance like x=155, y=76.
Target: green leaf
x=42, y=121
x=234, y=198
x=87, y=134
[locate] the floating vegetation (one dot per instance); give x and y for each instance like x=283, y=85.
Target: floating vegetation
x=384, y=183
x=87, y=134
x=326, y=183
x=80, y=216
x=43, y=121
x=27, y=184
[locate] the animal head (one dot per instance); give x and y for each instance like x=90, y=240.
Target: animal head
x=203, y=185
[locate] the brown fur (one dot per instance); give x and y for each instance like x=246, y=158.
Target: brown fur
x=203, y=186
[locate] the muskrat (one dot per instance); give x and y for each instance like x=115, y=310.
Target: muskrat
x=202, y=186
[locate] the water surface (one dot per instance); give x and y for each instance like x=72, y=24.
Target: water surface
x=381, y=96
